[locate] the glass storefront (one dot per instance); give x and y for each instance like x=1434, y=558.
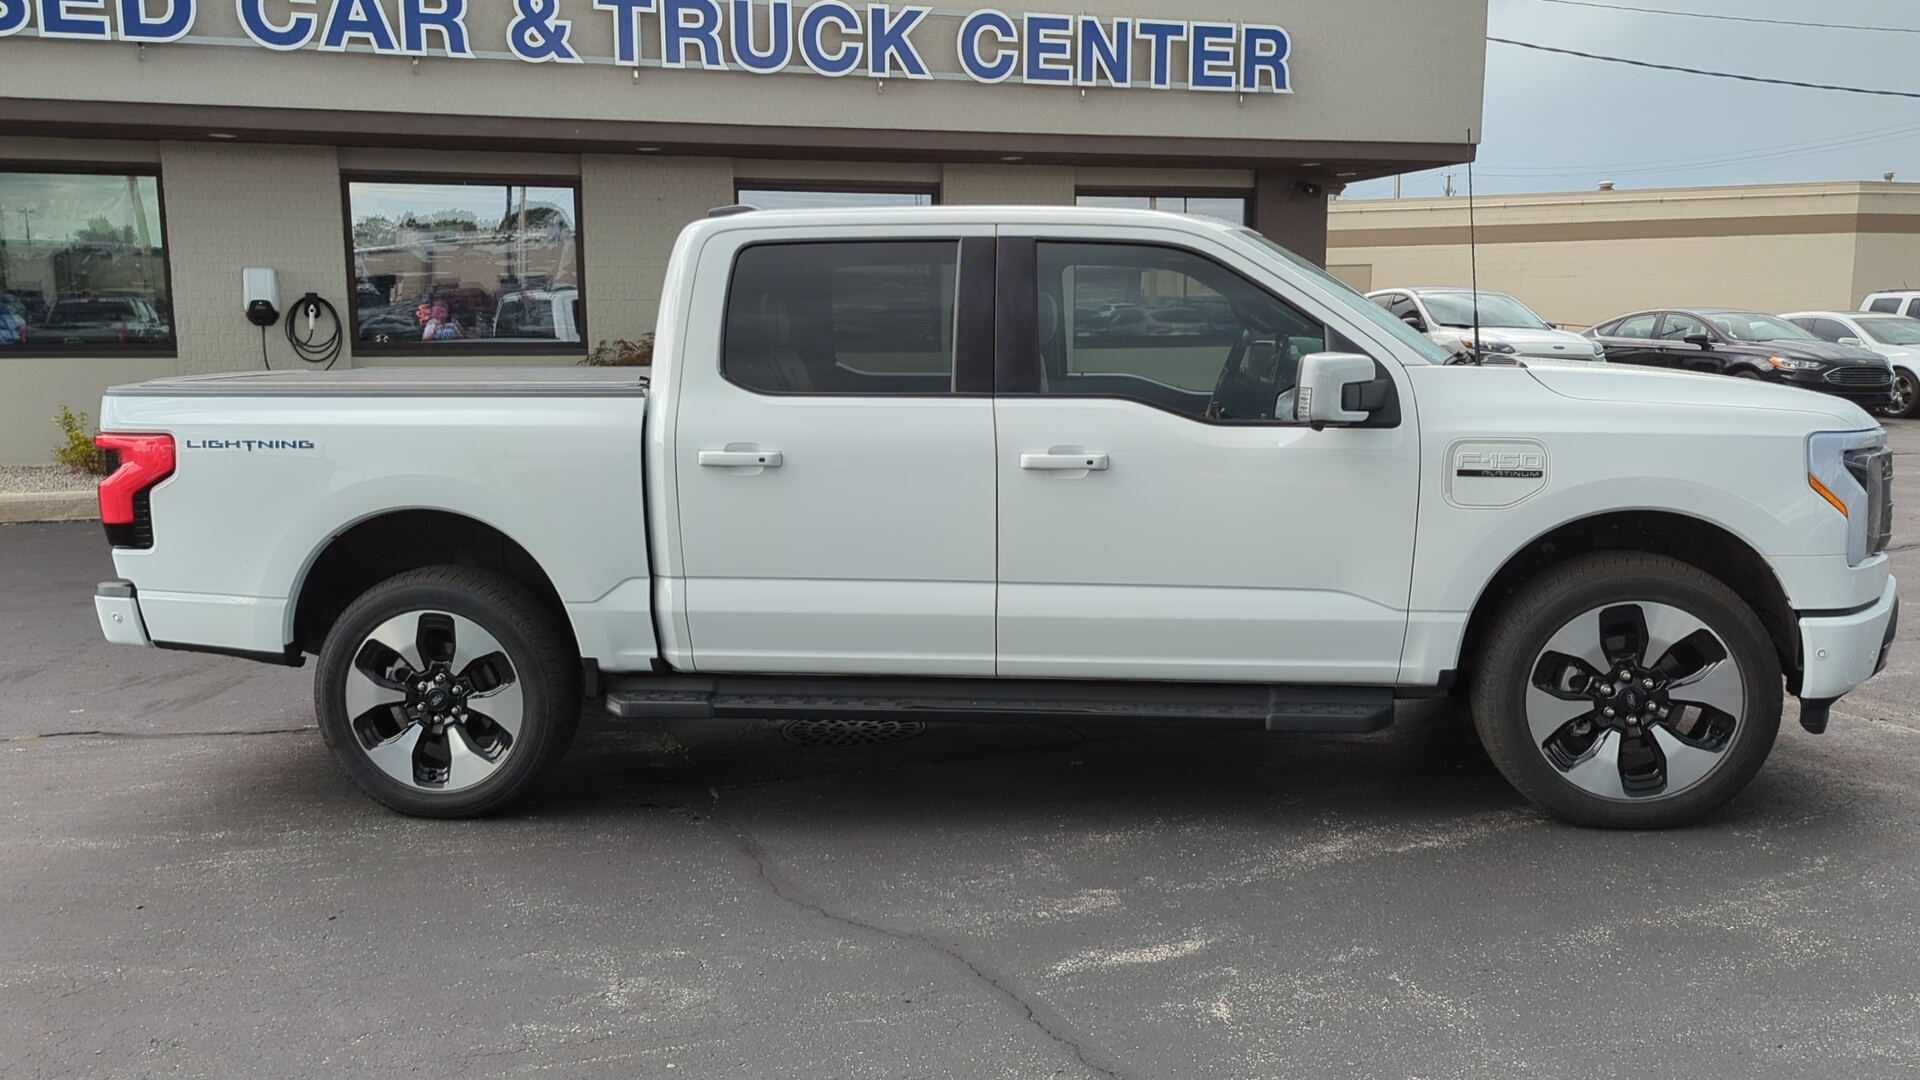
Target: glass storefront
x=83, y=263
x=1231, y=208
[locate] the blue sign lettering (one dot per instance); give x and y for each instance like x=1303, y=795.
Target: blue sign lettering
x=447, y=18
x=1049, y=49
x=298, y=31
x=973, y=32
x=691, y=25
x=626, y=28
x=364, y=19
x=13, y=16
x=813, y=39
x=174, y=25
x=779, y=51
x=1210, y=56
x=67, y=19
x=1263, y=60
x=891, y=39
x=1104, y=56
x=538, y=34
x=1163, y=35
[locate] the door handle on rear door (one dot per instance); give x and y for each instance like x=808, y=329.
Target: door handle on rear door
x=742, y=459
x=1064, y=462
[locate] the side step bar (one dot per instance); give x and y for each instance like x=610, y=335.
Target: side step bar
x=1332, y=709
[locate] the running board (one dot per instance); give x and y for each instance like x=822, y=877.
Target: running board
x=1332, y=709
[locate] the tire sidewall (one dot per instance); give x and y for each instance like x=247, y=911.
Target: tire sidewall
x=1539, y=613
x=409, y=593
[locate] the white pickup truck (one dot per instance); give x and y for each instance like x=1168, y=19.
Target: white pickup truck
x=905, y=463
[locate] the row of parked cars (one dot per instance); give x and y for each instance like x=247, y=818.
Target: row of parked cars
x=1870, y=356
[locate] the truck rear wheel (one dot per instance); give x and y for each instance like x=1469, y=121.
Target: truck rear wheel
x=1628, y=690
x=444, y=692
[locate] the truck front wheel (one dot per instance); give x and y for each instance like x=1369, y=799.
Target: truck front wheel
x=1628, y=690
x=444, y=692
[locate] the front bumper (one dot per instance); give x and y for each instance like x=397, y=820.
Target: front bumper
x=1865, y=396
x=1840, y=652
x=118, y=608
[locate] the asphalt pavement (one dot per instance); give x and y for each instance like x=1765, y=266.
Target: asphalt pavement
x=192, y=888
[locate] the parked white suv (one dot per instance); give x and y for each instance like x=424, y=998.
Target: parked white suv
x=1507, y=327
x=880, y=468
x=1895, y=337
x=1894, y=302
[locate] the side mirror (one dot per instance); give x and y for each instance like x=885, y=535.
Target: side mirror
x=1703, y=341
x=1415, y=321
x=1339, y=388
x=1853, y=341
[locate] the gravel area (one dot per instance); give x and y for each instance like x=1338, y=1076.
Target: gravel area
x=37, y=479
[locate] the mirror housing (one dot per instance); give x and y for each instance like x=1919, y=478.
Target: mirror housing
x=1702, y=341
x=1339, y=388
x=1414, y=320
x=1853, y=341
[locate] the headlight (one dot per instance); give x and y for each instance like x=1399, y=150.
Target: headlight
x=1853, y=472
x=1785, y=364
x=1500, y=347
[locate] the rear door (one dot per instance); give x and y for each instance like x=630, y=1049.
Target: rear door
x=834, y=456
x=1632, y=340
x=1161, y=516
x=1676, y=352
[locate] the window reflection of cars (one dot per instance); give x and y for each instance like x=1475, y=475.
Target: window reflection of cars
x=101, y=320
x=538, y=314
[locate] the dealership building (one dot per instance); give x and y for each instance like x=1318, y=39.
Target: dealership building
x=501, y=183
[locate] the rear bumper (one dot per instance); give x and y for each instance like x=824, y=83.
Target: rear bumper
x=118, y=607
x=1843, y=651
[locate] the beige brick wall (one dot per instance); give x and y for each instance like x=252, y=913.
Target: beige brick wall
x=1007, y=185
x=231, y=207
x=633, y=208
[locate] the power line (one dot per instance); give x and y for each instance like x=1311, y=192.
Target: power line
x=1856, y=140
x=1734, y=18
x=1708, y=74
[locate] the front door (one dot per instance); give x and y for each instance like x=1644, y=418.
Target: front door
x=1161, y=516
x=835, y=475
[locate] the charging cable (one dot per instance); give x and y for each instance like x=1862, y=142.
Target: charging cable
x=308, y=313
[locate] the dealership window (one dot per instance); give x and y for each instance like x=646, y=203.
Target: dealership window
x=776, y=197
x=83, y=263
x=843, y=318
x=482, y=264
x=1225, y=207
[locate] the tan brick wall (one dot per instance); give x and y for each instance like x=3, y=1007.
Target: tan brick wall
x=231, y=207
x=1007, y=185
x=633, y=210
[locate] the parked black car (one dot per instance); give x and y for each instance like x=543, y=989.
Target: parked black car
x=1746, y=345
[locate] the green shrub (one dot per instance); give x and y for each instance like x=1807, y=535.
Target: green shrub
x=622, y=354
x=78, y=454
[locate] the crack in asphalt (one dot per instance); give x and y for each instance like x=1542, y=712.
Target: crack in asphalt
x=157, y=734
x=790, y=892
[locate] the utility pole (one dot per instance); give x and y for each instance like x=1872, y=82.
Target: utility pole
x=1450, y=185
x=26, y=218
x=1396, y=185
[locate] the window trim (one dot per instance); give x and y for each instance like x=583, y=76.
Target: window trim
x=972, y=345
x=107, y=168
x=466, y=347
x=849, y=187
x=1020, y=361
x=1245, y=195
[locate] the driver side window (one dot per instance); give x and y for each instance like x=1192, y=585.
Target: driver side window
x=1170, y=329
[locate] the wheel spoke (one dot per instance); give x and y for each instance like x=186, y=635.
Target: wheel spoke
x=364, y=693
x=395, y=756
x=1580, y=639
x=1548, y=714
x=1666, y=627
x=505, y=706
x=1686, y=765
x=1599, y=774
x=1718, y=686
x=466, y=766
x=401, y=634
x=470, y=644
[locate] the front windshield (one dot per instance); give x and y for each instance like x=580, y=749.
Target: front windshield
x=1496, y=310
x=1753, y=326
x=1359, y=305
x=1896, y=331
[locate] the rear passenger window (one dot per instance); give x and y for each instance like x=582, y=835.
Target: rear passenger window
x=843, y=318
x=1913, y=308
x=1890, y=305
x=1640, y=326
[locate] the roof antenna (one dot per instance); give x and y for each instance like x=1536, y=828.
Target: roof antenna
x=1473, y=251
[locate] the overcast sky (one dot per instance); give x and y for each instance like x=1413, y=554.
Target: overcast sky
x=1561, y=123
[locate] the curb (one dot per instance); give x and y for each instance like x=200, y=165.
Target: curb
x=22, y=507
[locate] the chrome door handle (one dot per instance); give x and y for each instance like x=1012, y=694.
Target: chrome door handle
x=1064, y=462
x=742, y=459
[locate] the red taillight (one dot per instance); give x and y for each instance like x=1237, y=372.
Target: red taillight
x=145, y=460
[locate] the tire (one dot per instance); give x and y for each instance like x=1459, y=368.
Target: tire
x=1714, y=706
x=482, y=647
x=1906, y=396
x=1748, y=373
